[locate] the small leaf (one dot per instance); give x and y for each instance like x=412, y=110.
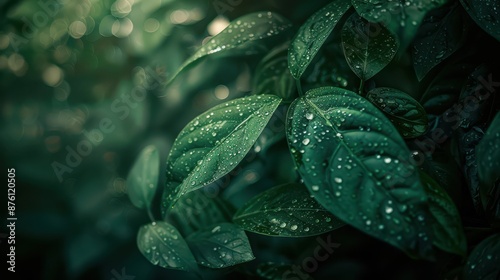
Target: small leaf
x=488, y=157
x=274, y=271
x=196, y=210
x=312, y=34
x=287, y=210
x=164, y=246
x=272, y=75
x=442, y=32
x=401, y=17
x=357, y=166
x=482, y=263
x=368, y=47
x=239, y=36
x=220, y=246
x=407, y=115
x=447, y=228
x=212, y=144
x=142, y=180
x=486, y=13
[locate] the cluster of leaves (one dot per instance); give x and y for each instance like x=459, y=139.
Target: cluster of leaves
x=378, y=157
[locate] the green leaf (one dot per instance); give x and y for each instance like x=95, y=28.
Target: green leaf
x=142, y=180
x=220, y=246
x=407, y=115
x=401, y=17
x=312, y=34
x=212, y=144
x=488, y=156
x=164, y=246
x=286, y=210
x=442, y=32
x=367, y=51
x=482, y=263
x=239, y=36
x=486, y=13
x=357, y=166
x=272, y=75
x=274, y=271
x=446, y=227
x=197, y=210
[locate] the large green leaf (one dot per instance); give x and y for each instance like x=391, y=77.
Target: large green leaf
x=215, y=142
x=482, y=263
x=486, y=13
x=488, y=156
x=440, y=35
x=401, y=17
x=404, y=112
x=197, y=210
x=142, y=180
x=446, y=225
x=312, y=34
x=163, y=245
x=272, y=75
x=239, y=36
x=221, y=245
x=287, y=210
x=356, y=165
x=367, y=51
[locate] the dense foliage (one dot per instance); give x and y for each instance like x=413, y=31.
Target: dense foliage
x=386, y=103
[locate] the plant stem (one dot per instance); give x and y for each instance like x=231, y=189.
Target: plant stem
x=150, y=214
x=361, y=88
x=299, y=87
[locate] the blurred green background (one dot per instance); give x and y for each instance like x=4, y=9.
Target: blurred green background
x=88, y=77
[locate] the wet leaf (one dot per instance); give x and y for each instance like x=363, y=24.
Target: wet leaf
x=486, y=13
x=220, y=246
x=488, y=157
x=274, y=271
x=482, y=263
x=286, y=210
x=446, y=224
x=368, y=47
x=164, y=246
x=197, y=210
x=312, y=34
x=400, y=17
x=215, y=142
x=475, y=97
x=355, y=163
x=407, y=115
x=272, y=75
x=239, y=36
x=442, y=32
x=142, y=179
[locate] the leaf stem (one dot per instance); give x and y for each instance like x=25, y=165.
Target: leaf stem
x=299, y=87
x=361, y=88
x=150, y=214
